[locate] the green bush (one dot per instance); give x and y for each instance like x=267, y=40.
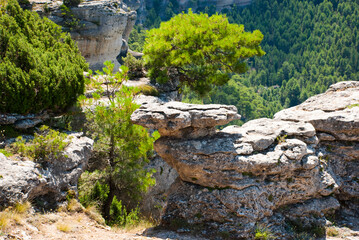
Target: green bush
x=135, y=66
x=40, y=67
x=45, y=147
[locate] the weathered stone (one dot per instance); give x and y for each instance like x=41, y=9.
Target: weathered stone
x=156, y=197
x=23, y=122
x=295, y=168
x=98, y=27
x=183, y=120
x=28, y=180
x=338, y=116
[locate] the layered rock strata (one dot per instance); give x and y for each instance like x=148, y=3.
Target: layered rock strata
x=28, y=180
x=291, y=170
x=100, y=28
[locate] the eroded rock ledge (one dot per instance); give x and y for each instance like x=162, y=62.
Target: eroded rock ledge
x=296, y=168
x=27, y=180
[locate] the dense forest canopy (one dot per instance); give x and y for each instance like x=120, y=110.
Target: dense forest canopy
x=309, y=44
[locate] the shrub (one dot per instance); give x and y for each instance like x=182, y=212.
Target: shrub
x=40, y=66
x=148, y=90
x=45, y=147
x=135, y=66
x=203, y=51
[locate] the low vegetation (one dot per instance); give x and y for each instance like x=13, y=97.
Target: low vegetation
x=135, y=66
x=263, y=233
x=46, y=146
x=41, y=68
x=14, y=215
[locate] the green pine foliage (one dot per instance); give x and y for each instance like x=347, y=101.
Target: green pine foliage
x=203, y=51
x=121, y=148
x=40, y=67
x=309, y=45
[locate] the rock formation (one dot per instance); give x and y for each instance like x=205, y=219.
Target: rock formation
x=286, y=173
x=99, y=27
x=27, y=180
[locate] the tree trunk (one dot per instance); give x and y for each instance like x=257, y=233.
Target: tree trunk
x=108, y=202
x=111, y=183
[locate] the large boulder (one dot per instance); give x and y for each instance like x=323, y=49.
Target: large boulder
x=183, y=120
x=294, y=169
x=22, y=180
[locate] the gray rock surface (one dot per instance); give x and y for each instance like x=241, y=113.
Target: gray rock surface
x=27, y=180
x=335, y=112
x=23, y=122
x=99, y=27
x=183, y=120
x=296, y=168
x=156, y=197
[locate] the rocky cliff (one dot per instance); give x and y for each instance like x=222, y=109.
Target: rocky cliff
x=288, y=173
x=100, y=28
x=48, y=185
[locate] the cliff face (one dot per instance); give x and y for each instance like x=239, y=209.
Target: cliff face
x=286, y=173
x=99, y=27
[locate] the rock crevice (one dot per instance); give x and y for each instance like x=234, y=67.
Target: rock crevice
x=305, y=160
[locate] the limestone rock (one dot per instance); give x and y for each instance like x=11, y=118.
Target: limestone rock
x=98, y=27
x=297, y=167
x=28, y=180
x=23, y=122
x=156, y=197
x=178, y=119
x=335, y=112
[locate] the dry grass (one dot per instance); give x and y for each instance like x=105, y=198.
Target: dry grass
x=143, y=224
x=74, y=206
x=93, y=213
x=64, y=227
x=5, y=218
x=22, y=208
x=14, y=214
x=332, y=232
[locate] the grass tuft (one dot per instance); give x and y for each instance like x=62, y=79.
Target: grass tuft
x=22, y=208
x=64, y=227
x=263, y=233
x=93, y=213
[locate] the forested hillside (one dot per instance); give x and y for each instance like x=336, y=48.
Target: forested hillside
x=309, y=45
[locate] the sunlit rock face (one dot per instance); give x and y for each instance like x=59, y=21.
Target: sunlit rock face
x=48, y=182
x=99, y=27
x=294, y=169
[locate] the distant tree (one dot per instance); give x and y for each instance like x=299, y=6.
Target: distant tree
x=203, y=51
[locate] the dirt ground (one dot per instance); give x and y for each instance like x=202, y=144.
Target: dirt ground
x=66, y=226
x=75, y=225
